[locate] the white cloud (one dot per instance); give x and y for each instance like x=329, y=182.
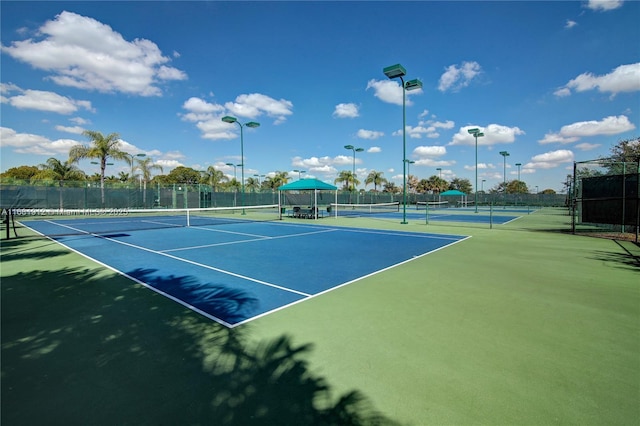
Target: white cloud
x=572, y=132
x=43, y=101
x=84, y=53
x=455, y=78
x=369, y=134
x=390, y=91
x=625, y=78
x=604, y=5
x=429, y=151
x=346, y=111
x=255, y=104
x=550, y=160
x=208, y=116
x=570, y=24
x=77, y=130
x=493, y=134
x=587, y=146
x=374, y=150
x=27, y=143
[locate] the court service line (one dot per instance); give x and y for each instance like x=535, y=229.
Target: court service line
x=350, y=282
x=261, y=238
x=213, y=268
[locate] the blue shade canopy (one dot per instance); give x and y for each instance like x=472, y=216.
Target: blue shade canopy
x=452, y=192
x=303, y=184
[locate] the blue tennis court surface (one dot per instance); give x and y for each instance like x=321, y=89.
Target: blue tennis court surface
x=234, y=273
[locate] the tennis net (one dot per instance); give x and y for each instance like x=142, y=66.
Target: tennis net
x=52, y=222
x=432, y=205
x=339, y=209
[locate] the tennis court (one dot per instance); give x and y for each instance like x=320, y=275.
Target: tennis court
x=432, y=211
x=237, y=270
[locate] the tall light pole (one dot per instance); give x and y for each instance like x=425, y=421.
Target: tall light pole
x=235, y=176
x=259, y=176
x=504, y=154
x=476, y=134
x=300, y=172
x=439, y=170
x=518, y=166
x=252, y=124
x=482, y=187
x=398, y=71
x=131, y=158
x=354, y=149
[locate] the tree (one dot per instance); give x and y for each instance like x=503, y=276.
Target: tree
x=183, y=174
x=376, y=178
x=252, y=184
x=517, y=187
x=625, y=151
x=123, y=176
x=146, y=166
x=463, y=185
x=102, y=147
x=215, y=177
x=391, y=188
x=21, y=172
x=60, y=171
x=276, y=181
x=436, y=184
x=412, y=183
x=347, y=178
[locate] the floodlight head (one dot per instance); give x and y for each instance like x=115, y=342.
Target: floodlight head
x=359, y=149
x=395, y=71
x=479, y=134
x=229, y=119
x=504, y=153
x=141, y=155
x=474, y=131
x=413, y=84
x=252, y=124
x=518, y=164
x=411, y=162
x=348, y=146
x=229, y=164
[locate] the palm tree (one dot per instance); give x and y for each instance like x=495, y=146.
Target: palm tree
x=102, y=148
x=348, y=179
x=252, y=184
x=376, y=178
x=146, y=166
x=276, y=181
x=60, y=171
x=215, y=177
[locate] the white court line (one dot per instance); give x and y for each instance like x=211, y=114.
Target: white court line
x=347, y=283
x=213, y=268
x=260, y=238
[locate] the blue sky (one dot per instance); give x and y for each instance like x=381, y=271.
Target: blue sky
x=549, y=82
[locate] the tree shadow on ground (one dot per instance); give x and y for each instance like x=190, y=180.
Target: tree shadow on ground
x=625, y=259
x=83, y=346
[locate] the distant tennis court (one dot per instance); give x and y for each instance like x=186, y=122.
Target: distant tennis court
x=431, y=211
x=238, y=269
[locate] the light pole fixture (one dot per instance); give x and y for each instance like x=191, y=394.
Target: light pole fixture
x=353, y=175
x=398, y=71
x=259, y=176
x=131, y=157
x=518, y=166
x=409, y=163
x=482, y=187
x=235, y=176
x=476, y=134
x=300, y=172
x=439, y=170
x=252, y=124
x=504, y=154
